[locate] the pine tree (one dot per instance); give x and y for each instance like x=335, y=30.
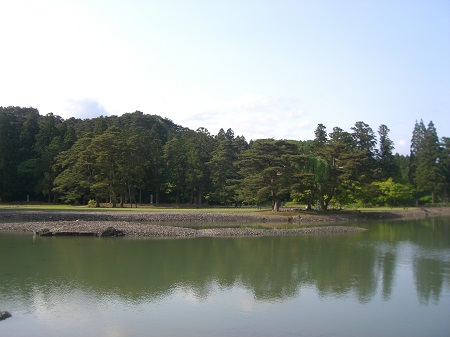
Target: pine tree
x=364, y=140
x=267, y=168
x=416, y=140
x=428, y=175
x=321, y=136
x=386, y=161
x=444, y=163
x=223, y=171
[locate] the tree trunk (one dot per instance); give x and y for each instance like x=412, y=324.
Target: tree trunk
x=275, y=203
x=114, y=200
x=276, y=206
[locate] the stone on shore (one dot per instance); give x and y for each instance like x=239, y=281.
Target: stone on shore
x=43, y=232
x=110, y=232
x=4, y=315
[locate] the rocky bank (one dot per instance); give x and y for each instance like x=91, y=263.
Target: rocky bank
x=199, y=224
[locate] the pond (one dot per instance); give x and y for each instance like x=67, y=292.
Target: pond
x=393, y=280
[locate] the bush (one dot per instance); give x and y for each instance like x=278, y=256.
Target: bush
x=426, y=199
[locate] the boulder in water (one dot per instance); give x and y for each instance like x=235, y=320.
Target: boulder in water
x=4, y=315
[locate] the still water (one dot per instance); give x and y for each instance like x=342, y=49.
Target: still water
x=393, y=280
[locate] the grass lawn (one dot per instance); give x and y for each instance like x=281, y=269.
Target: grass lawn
x=127, y=207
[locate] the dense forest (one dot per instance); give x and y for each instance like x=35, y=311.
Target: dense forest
x=138, y=158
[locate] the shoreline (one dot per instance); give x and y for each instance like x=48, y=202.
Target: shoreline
x=162, y=223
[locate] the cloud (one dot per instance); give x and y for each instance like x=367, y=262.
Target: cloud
x=83, y=108
x=402, y=146
x=255, y=117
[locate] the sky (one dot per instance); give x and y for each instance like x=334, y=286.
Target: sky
x=264, y=68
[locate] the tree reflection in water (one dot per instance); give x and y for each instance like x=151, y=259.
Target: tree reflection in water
x=272, y=268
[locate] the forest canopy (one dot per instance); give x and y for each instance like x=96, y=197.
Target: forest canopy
x=138, y=158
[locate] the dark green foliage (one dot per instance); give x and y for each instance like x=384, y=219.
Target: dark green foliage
x=387, y=165
x=428, y=174
x=18, y=159
x=403, y=164
x=176, y=166
x=444, y=165
x=76, y=165
x=364, y=141
x=347, y=167
x=268, y=169
x=416, y=140
x=223, y=171
x=137, y=158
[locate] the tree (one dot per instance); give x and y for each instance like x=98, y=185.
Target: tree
x=311, y=181
x=108, y=149
x=135, y=163
x=77, y=172
x=224, y=173
x=267, y=170
x=199, y=147
x=416, y=141
x=154, y=171
x=364, y=140
x=428, y=174
x=393, y=194
x=341, y=175
x=444, y=163
x=387, y=165
x=403, y=164
x=314, y=175
x=49, y=142
x=176, y=165
x=321, y=136
x=9, y=139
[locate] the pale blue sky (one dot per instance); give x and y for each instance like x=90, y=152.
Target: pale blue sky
x=262, y=68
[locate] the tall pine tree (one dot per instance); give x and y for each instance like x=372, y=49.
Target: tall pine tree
x=428, y=175
x=387, y=165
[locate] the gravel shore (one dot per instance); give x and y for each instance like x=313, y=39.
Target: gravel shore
x=91, y=228
x=161, y=223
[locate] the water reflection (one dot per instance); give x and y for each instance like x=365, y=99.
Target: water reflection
x=271, y=269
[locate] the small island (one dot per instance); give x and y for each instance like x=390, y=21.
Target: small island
x=198, y=223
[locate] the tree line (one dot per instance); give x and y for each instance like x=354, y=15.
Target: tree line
x=138, y=158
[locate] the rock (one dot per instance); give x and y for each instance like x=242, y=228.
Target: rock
x=44, y=232
x=71, y=233
x=110, y=231
x=4, y=315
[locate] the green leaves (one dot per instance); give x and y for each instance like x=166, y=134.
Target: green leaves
x=268, y=169
x=119, y=159
x=428, y=174
x=393, y=194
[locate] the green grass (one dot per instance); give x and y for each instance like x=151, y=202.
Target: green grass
x=382, y=209
x=39, y=207
x=53, y=207
x=193, y=209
